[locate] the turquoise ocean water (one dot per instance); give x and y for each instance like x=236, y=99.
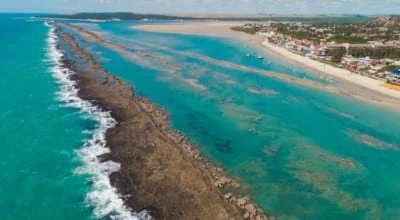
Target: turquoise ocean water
x=49, y=137
x=38, y=136
x=301, y=152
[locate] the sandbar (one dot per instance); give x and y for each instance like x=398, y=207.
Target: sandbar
x=222, y=30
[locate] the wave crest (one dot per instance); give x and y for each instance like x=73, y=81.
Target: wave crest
x=104, y=198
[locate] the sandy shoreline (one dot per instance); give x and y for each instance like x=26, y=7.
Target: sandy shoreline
x=345, y=88
x=336, y=72
x=195, y=28
x=160, y=169
x=222, y=29
x=214, y=29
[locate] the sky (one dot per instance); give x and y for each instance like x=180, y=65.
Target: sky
x=206, y=6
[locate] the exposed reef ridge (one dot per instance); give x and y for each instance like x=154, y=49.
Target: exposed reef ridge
x=161, y=172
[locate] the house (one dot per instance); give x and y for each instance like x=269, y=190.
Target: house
x=377, y=67
x=349, y=59
x=366, y=59
x=352, y=65
x=359, y=46
x=362, y=65
x=388, y=61
x=396, y=63
x=318, y=50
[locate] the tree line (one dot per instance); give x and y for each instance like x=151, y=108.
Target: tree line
x=376, y=53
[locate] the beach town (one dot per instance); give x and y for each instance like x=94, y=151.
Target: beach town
x=208, y=110
x=371, y=50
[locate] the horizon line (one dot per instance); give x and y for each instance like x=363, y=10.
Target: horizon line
x=202, y=13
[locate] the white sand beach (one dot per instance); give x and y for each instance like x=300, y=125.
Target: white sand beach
x=222, y=29
x=214, y=29
x=336, y=72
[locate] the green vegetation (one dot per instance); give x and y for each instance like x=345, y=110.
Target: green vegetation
x=376, y=53
x=249, y=30
x=348, y=39
x=385, y=21
x=352, y=31
x=296, y=33
x=337, y=54
x=344, y=19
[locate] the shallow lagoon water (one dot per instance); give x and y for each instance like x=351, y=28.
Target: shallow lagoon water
x=303, y=153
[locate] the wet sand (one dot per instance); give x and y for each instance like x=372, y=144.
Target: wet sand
x=160, y=170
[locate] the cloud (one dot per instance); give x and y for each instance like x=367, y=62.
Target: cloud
x=268, y=6
x=209, y=6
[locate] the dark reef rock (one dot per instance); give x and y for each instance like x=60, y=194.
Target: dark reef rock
x=160, y=171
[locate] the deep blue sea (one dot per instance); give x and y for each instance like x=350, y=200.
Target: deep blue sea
x=303, y=153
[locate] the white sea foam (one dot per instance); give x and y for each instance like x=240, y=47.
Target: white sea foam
x=104, y=198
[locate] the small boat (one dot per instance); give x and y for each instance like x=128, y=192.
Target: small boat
x=248, y=55
x=260, y=57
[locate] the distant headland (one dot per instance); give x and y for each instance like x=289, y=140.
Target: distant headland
x=221, y=17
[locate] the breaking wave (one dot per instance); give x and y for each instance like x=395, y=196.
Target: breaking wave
x=103, y=197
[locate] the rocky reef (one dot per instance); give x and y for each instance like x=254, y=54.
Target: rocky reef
x=161, y=171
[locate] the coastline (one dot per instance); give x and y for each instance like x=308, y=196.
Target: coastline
x=336, y=72
x=224, y=31
x=160, y=170
x=220, y=29
x=346, y=88
x=103, y=197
